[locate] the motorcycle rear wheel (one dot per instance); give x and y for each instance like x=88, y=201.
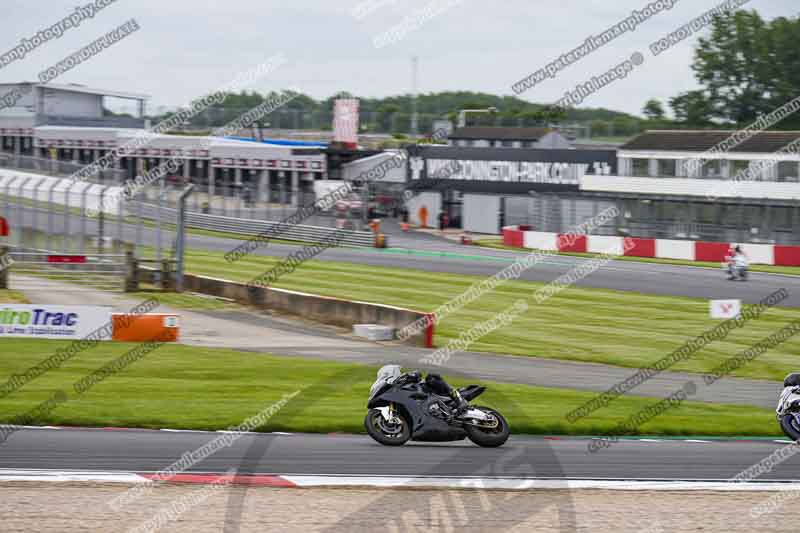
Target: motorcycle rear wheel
x=489, y=437
x=790, y=427
x=383, y=432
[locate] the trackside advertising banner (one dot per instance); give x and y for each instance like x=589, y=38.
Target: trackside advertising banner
x=54, y=321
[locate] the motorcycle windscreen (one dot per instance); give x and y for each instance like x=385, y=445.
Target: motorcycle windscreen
x=386, y=374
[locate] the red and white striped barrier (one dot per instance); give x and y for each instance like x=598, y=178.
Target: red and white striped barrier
x=714, y=252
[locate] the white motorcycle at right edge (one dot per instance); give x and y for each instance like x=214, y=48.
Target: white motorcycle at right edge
x=788, y=410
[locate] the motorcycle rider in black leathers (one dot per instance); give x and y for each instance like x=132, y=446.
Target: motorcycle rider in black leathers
x=438, y=385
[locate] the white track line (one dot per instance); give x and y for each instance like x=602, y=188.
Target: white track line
x=531, y=484
x=185, y=431
x=59, y=476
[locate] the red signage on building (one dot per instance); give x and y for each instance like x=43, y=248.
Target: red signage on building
x=66, y=258
x=3, y=227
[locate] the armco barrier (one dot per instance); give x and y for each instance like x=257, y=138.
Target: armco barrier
x=641, y=248
x=714, y=252
x=323, y=309
x=787, y=255
x=762, y=254
x=576, y=244
x=514, y=237
x=603, y=244
x=675, y=249
x=541, y=241
x=246, y=226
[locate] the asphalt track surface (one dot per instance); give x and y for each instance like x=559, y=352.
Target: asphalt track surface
x=433, y=254
x=144, y=451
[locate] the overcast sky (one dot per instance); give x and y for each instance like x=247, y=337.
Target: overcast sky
x=186, y=48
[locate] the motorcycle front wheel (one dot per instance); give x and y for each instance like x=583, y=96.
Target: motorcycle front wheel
x=790, y=427
x=489, y=436
x=386, y=433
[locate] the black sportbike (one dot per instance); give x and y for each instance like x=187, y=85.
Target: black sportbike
x=403, y=406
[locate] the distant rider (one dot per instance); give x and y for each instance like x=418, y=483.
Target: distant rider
x=728, y=262
x=740, y=263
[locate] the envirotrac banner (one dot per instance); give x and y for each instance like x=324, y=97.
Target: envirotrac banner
x=55, y=321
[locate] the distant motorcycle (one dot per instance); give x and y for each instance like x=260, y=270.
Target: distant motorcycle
x=737, y=273
x=736, y=263
x=402, y=407
x=788, y=410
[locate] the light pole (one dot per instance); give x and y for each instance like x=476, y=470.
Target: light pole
x=462, y=115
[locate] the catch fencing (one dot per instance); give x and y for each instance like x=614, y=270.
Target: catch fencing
x=34, y=269
x=54, y=214
x=249, y=227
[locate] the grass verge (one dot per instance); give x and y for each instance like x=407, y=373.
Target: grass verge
x=12, y=297
x=208, y=389
x=186, y=300
x=580, y=324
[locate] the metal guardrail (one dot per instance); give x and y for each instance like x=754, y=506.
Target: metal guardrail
x=58, y=168
x=100, y=271
x=244, y=226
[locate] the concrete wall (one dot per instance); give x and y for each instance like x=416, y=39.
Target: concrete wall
x=701, y=188
x=481, y=214
x=24, y=108
x=393, y=171
x=334, y=311
x=72, y=104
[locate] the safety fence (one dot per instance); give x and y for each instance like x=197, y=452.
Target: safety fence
x=273, y=230
x=60, y=215
x=33, y=269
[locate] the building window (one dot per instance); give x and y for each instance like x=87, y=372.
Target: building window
x=782, y=217
x=711, y=169
x=667, y=168
x=787, y=171
x=704, y=213
x=641, y=167
x=739, y=167
x=507, y=144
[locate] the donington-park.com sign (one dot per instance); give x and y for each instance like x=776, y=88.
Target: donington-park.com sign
x=53, y=321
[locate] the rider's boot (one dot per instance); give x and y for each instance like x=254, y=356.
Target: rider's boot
x=461, y=405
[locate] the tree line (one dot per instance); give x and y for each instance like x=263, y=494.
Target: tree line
x=745, y=67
